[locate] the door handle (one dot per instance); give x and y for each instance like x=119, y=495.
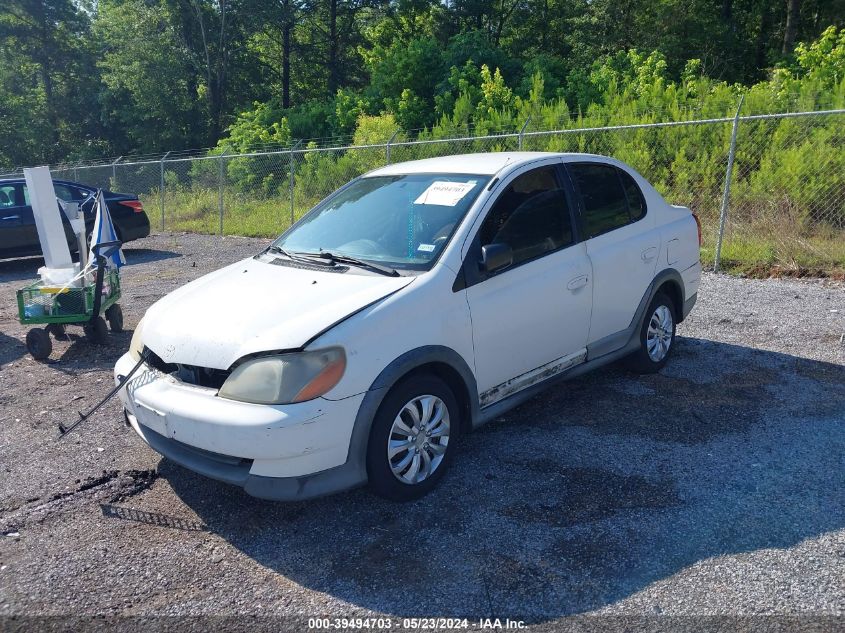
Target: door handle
x=649, y=254
x=578, y=282
x=11, y=217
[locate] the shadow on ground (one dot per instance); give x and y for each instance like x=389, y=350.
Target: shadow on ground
x=26, y=268
x=11, y=349
x=577, y=499
x=147, y=255
x=80, y=356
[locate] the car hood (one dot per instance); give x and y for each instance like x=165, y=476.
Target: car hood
x=256, y=306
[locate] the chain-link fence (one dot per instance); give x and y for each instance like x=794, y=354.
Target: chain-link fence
x=769, y=189
x=786, y=202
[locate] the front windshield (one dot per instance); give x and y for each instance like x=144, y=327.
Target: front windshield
x=402, y=221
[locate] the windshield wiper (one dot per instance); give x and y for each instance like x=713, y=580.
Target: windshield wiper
x=293, y=255
x=327, y=258
x=278, y=249
x=354, y=261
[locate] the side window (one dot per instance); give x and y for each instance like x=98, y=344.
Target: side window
x=531, y=216
x=7, y=196
x=636, y=200
x=605, y=205
x=68, y=194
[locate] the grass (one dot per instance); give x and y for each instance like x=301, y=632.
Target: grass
x=761, y=247
x=199, y=212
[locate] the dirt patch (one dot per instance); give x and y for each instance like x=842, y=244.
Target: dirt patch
x=571, y=496
x=775, y=271
x=698, y=412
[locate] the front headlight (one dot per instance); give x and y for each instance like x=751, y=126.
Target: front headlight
x=136, y=347
x=286, y=378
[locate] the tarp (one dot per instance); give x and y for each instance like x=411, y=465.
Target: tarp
x=104, y=232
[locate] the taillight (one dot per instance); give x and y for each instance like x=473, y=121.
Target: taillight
x=135, y=205
x=698, y=224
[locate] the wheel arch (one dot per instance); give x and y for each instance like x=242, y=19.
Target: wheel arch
x=444, y=362
x=441, y=361
x=673, y=289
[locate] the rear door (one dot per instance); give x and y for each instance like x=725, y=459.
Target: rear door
x=529, y=320
x=622, y=245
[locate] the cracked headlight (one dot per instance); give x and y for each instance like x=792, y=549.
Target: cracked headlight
x=286, y=378
x=136, y=347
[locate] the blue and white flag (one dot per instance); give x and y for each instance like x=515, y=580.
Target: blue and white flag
x=104, y=232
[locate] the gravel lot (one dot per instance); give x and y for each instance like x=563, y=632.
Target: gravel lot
x=716, y=487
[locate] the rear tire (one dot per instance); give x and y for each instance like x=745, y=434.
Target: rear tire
x=412, y=440
x=38, y=343
x=657, y=337
x=114, y=315
x=96, y=332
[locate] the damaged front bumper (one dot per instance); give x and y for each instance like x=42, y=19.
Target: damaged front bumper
x=282, y=452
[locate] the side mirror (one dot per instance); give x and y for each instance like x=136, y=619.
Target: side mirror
x=495, y=257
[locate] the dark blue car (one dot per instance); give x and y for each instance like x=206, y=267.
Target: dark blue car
x=19, y=237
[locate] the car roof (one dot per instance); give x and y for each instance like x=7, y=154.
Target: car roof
x=55, y=181
x=488, y=163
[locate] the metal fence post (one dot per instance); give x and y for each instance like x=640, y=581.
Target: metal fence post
x=161, y=190
x=723, y=216
x=522, y=132
x=392, y=138
x=290, y=186
x=114, y=173
x=220, y=183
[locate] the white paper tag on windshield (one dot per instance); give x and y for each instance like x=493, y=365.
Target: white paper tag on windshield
x=444, y=193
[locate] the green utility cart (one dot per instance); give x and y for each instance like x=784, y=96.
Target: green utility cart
x=55, y=307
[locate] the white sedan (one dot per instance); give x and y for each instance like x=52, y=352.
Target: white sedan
x=412, y=305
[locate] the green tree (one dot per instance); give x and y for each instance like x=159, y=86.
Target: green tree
x=46, y=81
x=147, y=88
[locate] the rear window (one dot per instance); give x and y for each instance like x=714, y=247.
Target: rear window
x=611, y=197
x=636, y=200
x=605, y=204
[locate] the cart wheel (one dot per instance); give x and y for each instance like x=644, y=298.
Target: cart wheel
x=58, y=331
x=114, y=315
x=97, y=332
x=38, y=343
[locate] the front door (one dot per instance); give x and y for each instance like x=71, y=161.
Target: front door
x=530, y=320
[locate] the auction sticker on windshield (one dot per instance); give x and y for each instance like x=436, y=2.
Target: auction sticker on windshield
x=445, y=193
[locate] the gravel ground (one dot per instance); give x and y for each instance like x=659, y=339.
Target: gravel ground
x=712, y=488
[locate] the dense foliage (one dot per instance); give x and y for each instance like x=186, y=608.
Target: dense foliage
x=92, y=78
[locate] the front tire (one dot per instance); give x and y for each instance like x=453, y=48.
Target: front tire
x=412, y=440
x=657, y=337
x=96, y=331
x=38, y=343
x=114, y=315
